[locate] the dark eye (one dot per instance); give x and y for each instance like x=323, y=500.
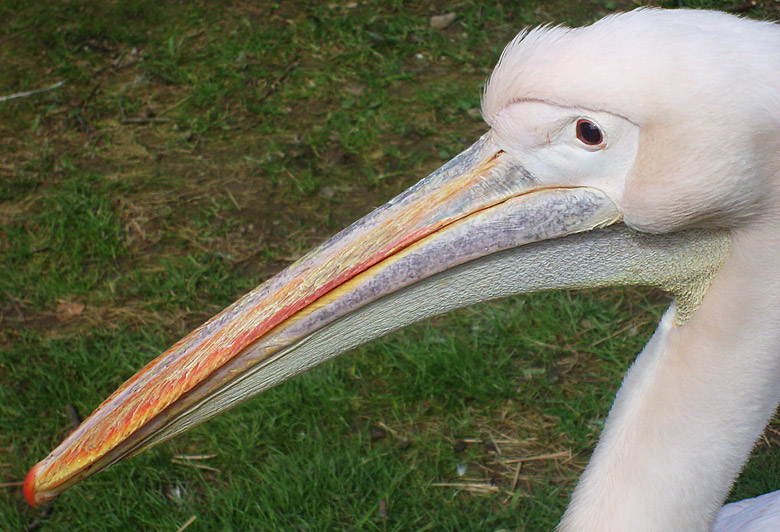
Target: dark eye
x=589, y=133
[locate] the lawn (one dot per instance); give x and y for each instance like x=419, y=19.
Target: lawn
x=196, y=148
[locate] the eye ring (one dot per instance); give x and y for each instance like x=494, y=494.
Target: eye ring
x=589, y=133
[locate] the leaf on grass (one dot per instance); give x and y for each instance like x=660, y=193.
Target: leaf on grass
x=439, y=22
x=67, y=310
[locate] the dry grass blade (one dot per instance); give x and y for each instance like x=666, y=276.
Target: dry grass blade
x=516, y=478
x=475, y=487
x=194, y=456
x=620, y=332
x=25, y=94
x=187, y=523
x=550, y=456
x=196, y=466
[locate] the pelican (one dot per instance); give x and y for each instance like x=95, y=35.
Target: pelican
x=642, y=149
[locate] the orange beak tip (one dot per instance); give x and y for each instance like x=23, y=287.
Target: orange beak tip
x=29, y=486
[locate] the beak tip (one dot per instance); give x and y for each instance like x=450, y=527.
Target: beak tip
x=33, y=498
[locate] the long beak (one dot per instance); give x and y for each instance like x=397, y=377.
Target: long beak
x=478, y=228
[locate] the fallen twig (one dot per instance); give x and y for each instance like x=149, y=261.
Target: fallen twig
x=272, y=87
x=89, y=97
x=25, y=94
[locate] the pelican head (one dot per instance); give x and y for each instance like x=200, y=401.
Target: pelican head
x=642, y=149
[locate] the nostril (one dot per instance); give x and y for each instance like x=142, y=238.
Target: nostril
x=496, y=155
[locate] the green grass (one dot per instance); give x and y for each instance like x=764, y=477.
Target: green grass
x=256, y=130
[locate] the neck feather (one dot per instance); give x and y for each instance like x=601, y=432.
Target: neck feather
x=691, y=407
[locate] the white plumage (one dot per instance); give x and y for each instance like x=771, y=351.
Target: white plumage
x=691, y=101
x=759, y=514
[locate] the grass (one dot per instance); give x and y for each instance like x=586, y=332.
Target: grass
x=195, y=149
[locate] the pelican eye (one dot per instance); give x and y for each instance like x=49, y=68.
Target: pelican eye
x=589, y=133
